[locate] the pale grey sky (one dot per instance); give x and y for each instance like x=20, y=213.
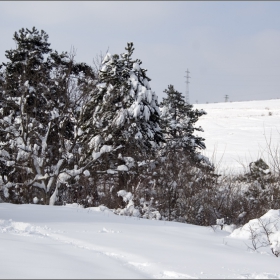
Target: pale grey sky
x=229, y=47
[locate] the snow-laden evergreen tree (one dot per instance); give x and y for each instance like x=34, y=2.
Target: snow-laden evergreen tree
x=183, y=172
x=121, y=121
x=39, y=118
x=178, y=120
x=124, y=109
x=4, y=168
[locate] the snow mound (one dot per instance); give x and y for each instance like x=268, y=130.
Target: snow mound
x=263, y=232
x=18, y=228
x=271, y=219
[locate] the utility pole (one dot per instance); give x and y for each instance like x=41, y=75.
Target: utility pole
x=187, y=88
x=226, y=98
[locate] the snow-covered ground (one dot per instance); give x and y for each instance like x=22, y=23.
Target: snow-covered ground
x=70, y=242
x=236, y=132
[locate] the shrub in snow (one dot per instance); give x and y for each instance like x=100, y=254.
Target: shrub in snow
x=238, y=200
x=259, y=171
x=81, y=189
x=259, y=168
x=129, y=209
x=144, y=209
x=245, y=196
x=220, y=222
x=148, y=210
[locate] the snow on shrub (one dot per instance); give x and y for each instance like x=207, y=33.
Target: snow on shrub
x=145, y=210
x=129, y=210
x=262, y=232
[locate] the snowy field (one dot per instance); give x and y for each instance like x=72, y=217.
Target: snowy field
x=236, y=132
x=71, y=242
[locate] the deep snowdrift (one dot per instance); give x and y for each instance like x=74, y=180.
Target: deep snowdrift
x=70, y=242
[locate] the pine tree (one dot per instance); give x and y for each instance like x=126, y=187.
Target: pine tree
x=39, y=119
x=182, y=169
x=124, y=105
x=121, y=121
x=178, y=122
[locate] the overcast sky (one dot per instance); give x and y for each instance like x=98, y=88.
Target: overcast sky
x=230, y=48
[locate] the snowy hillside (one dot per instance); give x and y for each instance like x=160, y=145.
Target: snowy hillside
x=69, y=242
x=236, y=132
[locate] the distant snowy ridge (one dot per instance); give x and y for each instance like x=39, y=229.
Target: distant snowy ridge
x=236, y=132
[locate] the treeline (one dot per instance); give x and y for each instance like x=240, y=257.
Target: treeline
x=71, y=134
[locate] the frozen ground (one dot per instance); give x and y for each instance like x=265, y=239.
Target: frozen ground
x=236, y=132
x=70, y=242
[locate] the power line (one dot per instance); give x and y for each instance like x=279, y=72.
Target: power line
x=226, y=98
x=187, y=87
